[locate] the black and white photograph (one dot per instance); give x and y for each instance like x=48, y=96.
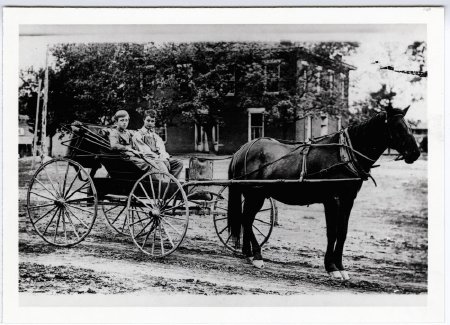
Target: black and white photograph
x=200, y=163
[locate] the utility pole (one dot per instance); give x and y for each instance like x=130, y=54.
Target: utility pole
x=36, y=124
x=44, y=112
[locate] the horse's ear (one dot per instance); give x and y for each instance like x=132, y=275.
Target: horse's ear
x=405, y=110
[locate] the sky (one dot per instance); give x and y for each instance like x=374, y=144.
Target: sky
x=384, y=43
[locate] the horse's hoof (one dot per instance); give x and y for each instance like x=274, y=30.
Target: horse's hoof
x=336, y=275
x=345, y=275
x=258, y=264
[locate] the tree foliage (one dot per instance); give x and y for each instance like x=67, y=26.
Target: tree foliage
x=90, y=82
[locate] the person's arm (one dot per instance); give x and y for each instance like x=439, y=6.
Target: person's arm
x=140, y=146
x=115, y=143
x=162, y=148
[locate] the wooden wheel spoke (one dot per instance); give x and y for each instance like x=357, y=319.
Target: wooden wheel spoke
x=151, y=186
x=153, y=243
x=220, y=232
x=262, y=221
x=49, y=223
x=114, y=207
x=73, y=226
x=43, y=216
x=45, y=189
x=159, y=192
x=143, y=202
x=173, y=208
x=171, y=226
x=78, y=189
x=74, y=206
x=140, y=220
x=51, y=182
x=258, y=230
x=170, y=199
x=57, y=226
x=80, y=199
x=146, y=194
x=64, y=225
x=71, y=184
x=70, y=211
x=63, y=190
x=218, y=219
x=267, y=209
x=118, y=215
x=143, y=228
x=40, y=206
x=172, y=217
x=165, y=192
x=146, y=238
x=45, y=197
x=228, y=239
x=168, y=235
x=161, y=240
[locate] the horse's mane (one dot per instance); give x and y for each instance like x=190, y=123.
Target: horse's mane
x=359, y=130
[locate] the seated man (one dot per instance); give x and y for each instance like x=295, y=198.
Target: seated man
x=121, y=139
x=148, y=142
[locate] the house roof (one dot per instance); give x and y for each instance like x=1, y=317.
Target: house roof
x=310, y=53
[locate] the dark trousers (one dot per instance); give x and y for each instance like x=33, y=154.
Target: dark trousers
x=175, y=167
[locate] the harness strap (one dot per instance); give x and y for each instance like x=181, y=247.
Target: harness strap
x=304, y=154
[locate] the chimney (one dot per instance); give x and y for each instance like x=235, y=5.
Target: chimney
x=338, y=57
x=285, y=43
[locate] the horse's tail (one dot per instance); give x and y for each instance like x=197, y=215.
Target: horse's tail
x=234, y=208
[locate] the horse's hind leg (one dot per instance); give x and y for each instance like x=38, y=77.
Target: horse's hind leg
x=332, y=208
x=250, y=247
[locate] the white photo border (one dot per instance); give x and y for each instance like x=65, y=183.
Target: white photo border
x=426, y=308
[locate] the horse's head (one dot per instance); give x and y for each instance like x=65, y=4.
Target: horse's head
x=399, y=135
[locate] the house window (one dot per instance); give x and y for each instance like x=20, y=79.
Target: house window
x=323, y=124
x=162, y=132
x=255, y=123
x=330, y=81
x=318, y=79
x=302, y=76
x=272, y=75
x=342, y=86
x=231, y=82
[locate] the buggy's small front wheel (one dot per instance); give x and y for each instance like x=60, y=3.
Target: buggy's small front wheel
x=157, y=214
x=62, y=202
x=262, y=226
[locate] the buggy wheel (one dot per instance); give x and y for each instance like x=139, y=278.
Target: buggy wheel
x=62, y=202
x=116, y=215
x=262, y=226
x=157, y=214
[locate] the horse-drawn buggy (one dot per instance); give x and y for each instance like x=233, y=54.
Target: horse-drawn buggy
x=66, y=194
x=154, y=208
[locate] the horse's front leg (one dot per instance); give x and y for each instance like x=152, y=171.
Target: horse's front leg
x=346, y=205
x=332, y=207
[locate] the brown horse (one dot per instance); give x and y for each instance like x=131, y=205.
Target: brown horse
x=326, y=158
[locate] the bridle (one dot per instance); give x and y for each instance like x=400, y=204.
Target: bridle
x=390, y=139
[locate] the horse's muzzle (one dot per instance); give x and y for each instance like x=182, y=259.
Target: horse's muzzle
x=411, y=157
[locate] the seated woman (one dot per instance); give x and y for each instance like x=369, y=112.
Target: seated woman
x=121, y=140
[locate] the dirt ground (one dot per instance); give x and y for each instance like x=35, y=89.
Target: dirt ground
x=385, y=252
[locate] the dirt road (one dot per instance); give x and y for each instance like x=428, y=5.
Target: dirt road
x=386, y=250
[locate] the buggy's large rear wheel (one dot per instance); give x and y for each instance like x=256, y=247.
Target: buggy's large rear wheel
x=157, y=214
x=262, y=226
x=62, y=202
